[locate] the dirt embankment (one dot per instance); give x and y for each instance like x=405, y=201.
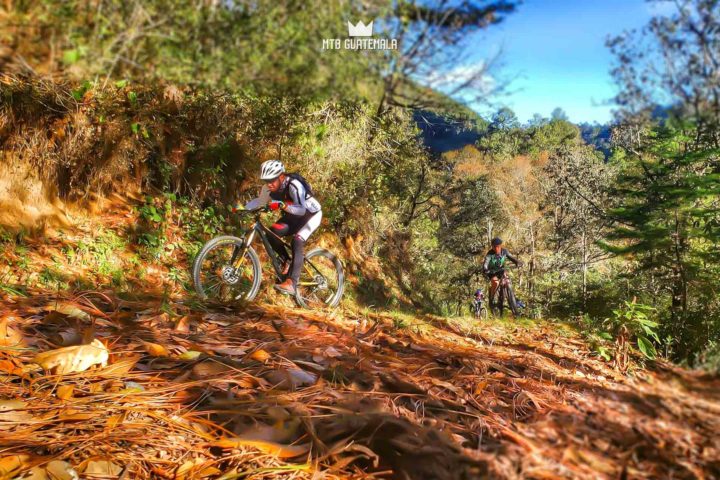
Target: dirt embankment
x=71, y=142
x=26, y=202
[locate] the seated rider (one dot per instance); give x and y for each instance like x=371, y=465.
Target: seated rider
x=494, y=264
x=301, y=215
x=479, y=295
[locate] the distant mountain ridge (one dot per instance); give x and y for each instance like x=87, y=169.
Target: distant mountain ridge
x=442, y=134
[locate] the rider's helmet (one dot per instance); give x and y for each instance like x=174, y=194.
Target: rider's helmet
x=271, y=169
x=496, y=241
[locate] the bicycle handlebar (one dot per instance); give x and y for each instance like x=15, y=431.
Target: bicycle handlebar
x=247, y=211
x=507, y=266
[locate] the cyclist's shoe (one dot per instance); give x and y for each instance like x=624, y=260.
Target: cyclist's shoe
x=285, y=287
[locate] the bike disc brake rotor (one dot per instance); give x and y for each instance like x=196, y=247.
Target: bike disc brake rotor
x=229, y=275
x=321, y=282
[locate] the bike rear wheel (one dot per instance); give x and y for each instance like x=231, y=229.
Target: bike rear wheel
x=216, y=278
x=322, y=281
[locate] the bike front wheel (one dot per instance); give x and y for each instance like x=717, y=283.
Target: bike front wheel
x=322, y=281
x=227, y=270
x=479, y=312
x=512, y=303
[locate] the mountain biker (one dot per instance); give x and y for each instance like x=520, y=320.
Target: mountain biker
x=478, y=299
x=301, y=215
x=479, y=295
x=494, y=264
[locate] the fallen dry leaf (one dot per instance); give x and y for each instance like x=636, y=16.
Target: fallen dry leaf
x=331, y=352
x=13, y=413
x=121, y=367
x=9, y=337
x=231, y=352
x=115, y=420
x=96, y=387
x=69, y=309
x=11, y=465
x=260, y=355
x=9, y=366
x=132, y=387
x=208, y=369
x=197, y=468
x=71, y=414
x=189, y=355
x=183, y=325
x=36, y=473
x=6, y=405
x=102, y=468
x=272, y=448
x=291, y=378
x=217, y=319
x=282, y=431
x=479, y=387
x=73, y=359
x=59, y=470
x=156, y=350
x=67, y=338
x=65, y=392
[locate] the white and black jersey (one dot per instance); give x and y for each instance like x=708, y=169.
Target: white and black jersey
x=297, y=200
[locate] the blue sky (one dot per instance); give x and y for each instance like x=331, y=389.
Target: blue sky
x=554, y=50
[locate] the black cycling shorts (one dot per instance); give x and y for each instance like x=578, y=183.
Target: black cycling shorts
x=499, y=274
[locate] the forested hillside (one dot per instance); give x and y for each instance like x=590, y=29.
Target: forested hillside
x=129, y=129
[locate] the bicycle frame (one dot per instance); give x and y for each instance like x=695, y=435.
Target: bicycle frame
x=502, y=282
x=262, y=231
x=503, y=293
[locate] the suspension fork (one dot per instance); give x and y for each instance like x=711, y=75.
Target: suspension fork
x=239, y=253
x=306, y=266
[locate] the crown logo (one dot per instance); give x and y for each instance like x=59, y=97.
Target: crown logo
x=360, y=30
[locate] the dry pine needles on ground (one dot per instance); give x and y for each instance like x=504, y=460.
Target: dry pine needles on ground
x=268, y=392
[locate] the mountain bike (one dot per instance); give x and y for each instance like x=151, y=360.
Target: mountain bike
x=477, y=307
x=228, y=269
x=504, y=292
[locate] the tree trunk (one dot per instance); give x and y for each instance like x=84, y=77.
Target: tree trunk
x=531, y=269
x=584, y=269
x=679, y=286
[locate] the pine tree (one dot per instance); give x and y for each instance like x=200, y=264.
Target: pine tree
x=666, y=214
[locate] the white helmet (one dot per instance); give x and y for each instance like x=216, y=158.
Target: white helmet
x=271, y=169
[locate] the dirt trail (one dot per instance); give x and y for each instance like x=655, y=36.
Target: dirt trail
x=269, y=392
